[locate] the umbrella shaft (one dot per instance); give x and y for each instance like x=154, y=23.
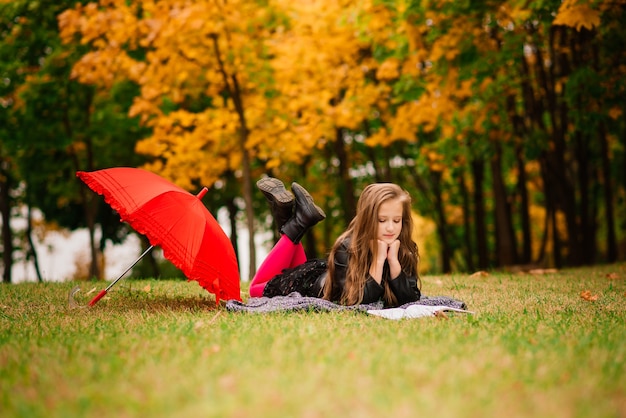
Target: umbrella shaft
x=128, y=269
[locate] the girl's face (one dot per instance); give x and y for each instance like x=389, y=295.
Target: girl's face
x=389, y=221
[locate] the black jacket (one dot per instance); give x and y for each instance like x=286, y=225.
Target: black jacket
x=404, y=287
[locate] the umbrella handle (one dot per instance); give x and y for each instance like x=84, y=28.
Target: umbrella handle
x=98, y=297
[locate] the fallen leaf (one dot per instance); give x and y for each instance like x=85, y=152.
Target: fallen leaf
x=480, y=273
x=586, y=295
x=612, y=276
x=147, y=288
x=441, y=315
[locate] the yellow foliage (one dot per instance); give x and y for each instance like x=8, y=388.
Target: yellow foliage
x=446, y=46
x=512, y=16
x=403, y=126
x=577, y=15
x=379, y=138
x=321, y=72
x=465, y=89
x=414, y=35
x=318, y=70
x=388, y=70
x=447, y=131
x=412, y=65
x=192, y=49
x=380, y=22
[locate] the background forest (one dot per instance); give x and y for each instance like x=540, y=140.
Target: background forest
x=504, y=119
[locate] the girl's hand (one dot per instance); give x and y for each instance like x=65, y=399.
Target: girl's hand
x=382, y=253
x=392, y=252
x=392, y=257
x=376, y=269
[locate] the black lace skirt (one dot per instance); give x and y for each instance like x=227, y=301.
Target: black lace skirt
x=302, y=279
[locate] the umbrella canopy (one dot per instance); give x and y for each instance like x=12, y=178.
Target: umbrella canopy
x=175, y=220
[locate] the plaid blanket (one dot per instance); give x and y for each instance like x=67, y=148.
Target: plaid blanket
x=426, y=306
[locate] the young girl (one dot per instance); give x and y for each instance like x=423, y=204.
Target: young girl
x=374, y=259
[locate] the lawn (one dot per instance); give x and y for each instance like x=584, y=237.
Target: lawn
x=538, y=345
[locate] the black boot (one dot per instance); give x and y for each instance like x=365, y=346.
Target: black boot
x=280, y=200
x=306, y=214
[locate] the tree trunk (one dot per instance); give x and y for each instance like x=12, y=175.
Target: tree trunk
x=519, y=130
x=609, y=212
x=467, y=224
x=32, y=251
x=6, y=182
x=584, y=174
x=387, y=173
x=236, y=95
x=607, y=183
x=506, y=244
x=480, y=221
x=551, y=216
x=89, y=201
x=232, y=220
x=346, y=187
x=442, y=227
x=247, y=195
x=247, y=178
x=91, y=209
x=556, y=240
x=522, y=190
x=382, y=171
x=558, y=167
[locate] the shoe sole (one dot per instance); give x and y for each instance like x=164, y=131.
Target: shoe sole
x=309, y=198
x=274, y=190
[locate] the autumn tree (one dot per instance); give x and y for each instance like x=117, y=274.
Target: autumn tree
x=57, y=126
x=513, y=71
x=205, y=85
x=461, y=92
x=505, y=116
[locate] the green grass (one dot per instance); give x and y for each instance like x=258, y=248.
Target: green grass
x=534, y=348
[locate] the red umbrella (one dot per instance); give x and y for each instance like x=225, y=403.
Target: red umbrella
x=174, y=219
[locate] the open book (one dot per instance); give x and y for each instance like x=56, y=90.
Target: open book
x=413, y=311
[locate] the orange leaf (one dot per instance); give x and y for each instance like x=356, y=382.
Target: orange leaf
x=441, y=315
x=586, y=295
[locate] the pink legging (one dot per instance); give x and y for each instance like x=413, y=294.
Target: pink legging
x=285, y=254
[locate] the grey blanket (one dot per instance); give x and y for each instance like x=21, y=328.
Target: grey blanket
x=296, y=302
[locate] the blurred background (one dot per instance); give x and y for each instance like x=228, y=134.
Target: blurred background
x=503, y=119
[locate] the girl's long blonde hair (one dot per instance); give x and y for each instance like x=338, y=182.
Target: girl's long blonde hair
x=362, y=232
